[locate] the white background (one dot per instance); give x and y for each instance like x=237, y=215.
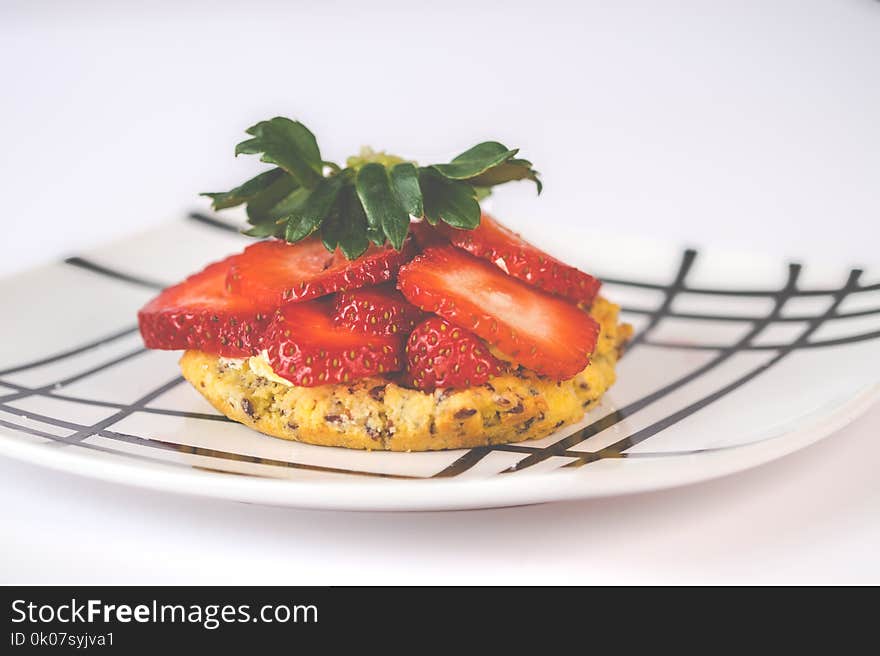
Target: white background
x=752, y=125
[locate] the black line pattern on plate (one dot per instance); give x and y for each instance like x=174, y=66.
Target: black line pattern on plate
x=53, y=393
x=155, y=443
x=533, y=455
x=800, y=318
x=756, y=293
x=837, y=341
x=687, y=261
x=27, y=429
x=514, y=448
x=213, y=222
x=80, y=435
x=88, y=265
x=24, y=391
x=101, y=341
x=640, y=436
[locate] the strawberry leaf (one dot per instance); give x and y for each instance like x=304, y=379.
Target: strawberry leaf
x=380, y=204
x=290, y=204
x=309, y=215
x=353, y=239
x=475, y=161
x=288, y=144
x=512, y=169
x=405, y=183
x=449, y=201
x=375, y=235
x=370, y=201
x=331, y=227
x=259, y=207
x=245, y=192
x=266, y=229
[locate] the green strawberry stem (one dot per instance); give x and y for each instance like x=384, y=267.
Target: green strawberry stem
x=371, y=199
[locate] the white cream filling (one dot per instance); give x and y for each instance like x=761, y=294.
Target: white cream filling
x=259, y=364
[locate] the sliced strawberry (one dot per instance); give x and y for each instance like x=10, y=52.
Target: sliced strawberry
x=439, y=354
x=539, y=331
x=426, y=235
x=275, y=272
x=380, y=310
x=500, y=245
x=200, y=314
x=308, y=349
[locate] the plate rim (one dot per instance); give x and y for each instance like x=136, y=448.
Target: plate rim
x=380, y=495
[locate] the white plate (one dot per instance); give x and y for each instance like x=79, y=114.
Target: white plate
x=737, y=361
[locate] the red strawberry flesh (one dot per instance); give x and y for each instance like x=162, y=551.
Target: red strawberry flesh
x=199, y=313
x=439, y=354
x=494, y=242
x=380, y=310
x=426, y=235
x=275, y=272
x=541, y=332
x=307, y=348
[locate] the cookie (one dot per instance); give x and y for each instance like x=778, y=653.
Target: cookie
x=379, y=414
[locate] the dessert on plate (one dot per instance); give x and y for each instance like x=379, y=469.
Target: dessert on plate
x=382, y=309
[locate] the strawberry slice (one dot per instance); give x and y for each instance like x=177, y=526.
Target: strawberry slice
x=494, y=242
x=380, y=310
x=439, y=354
x=539, y=331
x=275, y=272
x=308, y=349
x=200, y=314
x=425, y=235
